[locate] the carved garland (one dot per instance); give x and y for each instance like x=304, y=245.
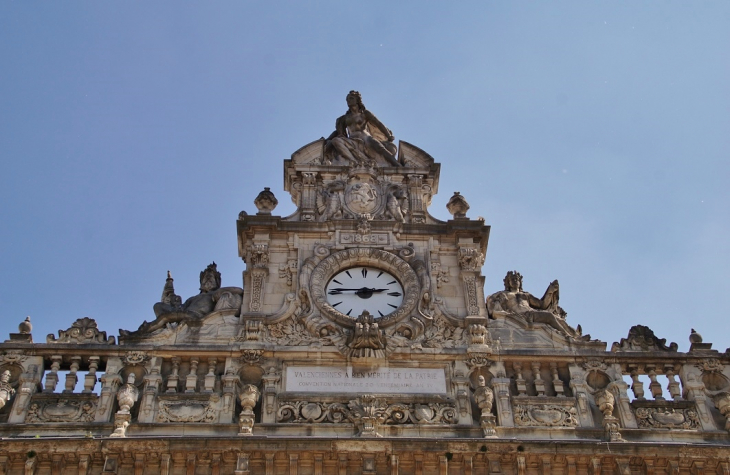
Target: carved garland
x=364, y=256
x=388, y=414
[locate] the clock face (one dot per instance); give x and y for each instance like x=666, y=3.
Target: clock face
x=357, y=289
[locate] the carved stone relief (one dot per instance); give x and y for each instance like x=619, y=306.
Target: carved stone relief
x=472, y=303
x=442, y=334
x=358, y=410
x=441, y=276
x=82, y=331
x=288, y=271
x=292, y=333
x=12, y=357
x=61, y=409
x=188, y=409
x=642, y=338
x=667, y=416
x=545, y=415
x=133, y=358
x=470, y=259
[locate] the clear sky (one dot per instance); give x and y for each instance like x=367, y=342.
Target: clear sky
x=593, y=137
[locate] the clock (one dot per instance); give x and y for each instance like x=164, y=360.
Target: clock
x=376, y=280
x=358, y=289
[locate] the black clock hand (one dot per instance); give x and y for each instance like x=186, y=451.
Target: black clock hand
x=361, y=289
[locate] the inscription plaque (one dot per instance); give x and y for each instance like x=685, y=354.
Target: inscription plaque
x=346, y=379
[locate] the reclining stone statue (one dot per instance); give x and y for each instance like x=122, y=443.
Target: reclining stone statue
x=359, y=137
x=212, y=297
x=513, y=300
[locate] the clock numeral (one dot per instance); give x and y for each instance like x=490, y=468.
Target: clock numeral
x=334, y=292
x=381, y=313
x=348, y=274
x=392, y=294
x=336, y=304
x=391, y=305
x=335, y=280
x=392, y=282
x=379, y=275
x=364, y=272
x=349, y=312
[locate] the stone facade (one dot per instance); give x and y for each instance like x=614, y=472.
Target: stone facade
x=277, y=376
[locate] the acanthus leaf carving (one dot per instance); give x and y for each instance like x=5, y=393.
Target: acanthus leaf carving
x=470, y=259
x=442, y=334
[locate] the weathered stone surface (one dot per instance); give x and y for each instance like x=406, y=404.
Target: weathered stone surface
x=282, y=379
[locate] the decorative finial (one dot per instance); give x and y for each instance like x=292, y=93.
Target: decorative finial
x=457, y=206
x=25, y=327
x=266, y=201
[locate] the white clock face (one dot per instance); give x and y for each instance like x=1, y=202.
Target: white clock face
x=357, y=289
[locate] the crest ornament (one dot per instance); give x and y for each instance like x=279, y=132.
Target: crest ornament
x=251, y=357
x=12, y=357
x=710, y=365
x=134, y=358
x=82, y=331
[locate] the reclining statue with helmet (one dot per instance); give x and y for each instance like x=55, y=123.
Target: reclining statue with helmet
x=212, y=298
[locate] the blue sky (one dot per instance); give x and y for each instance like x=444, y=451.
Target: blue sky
x=592, y=137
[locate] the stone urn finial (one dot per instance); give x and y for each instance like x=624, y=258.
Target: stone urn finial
x=248, y=396
x=127, y=394
x=605, y=401
x=25, y=327
x=266, y=201
x=457, y=206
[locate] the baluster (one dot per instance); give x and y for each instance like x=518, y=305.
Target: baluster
x=210, y=377
x=90, y=378
x=654, y=386
x=557, y=382
x=521, y=386
x=52, y=375
x=191, y=381
x=637, y=387
x=539, y=383
x=71, y=378
x=174, y=377
x=673, y=385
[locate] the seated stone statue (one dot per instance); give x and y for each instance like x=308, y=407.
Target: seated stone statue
x=211, y=298
x=359, y=137
x=514, y=300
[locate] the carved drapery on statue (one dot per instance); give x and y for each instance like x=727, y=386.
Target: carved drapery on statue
x=360, y=138
x=170, y=310
x=515, y=301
